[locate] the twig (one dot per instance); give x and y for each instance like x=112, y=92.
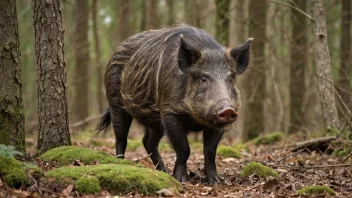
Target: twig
x=293, y=154
x=346, y=158
x=80, y=123
x=288, y=5
x=343, y=129
x=329, y=166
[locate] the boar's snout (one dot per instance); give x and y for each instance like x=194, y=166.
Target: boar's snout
x=226, y=115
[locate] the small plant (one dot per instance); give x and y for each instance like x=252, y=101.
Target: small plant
x=309, y=190
x=258, y=169
x=8, y=151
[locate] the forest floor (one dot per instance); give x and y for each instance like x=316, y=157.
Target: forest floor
x=296, y=170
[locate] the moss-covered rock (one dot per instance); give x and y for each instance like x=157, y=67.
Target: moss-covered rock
x=258, y=169
x=65, y=155
x=268, y=138
x=118, y=178
x=309, y=190
x=14, y=173
x=226, y=151
x=88, y=185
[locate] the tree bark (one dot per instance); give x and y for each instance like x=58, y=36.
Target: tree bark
x=255, y=81
x=299, y=60
x=51, y=76
x=81, y=55
x=322, y=60
x=222, y=21
x=151, y=18
x=193, y=12
x=11, y=107
x=344, y=82
x=98, y=65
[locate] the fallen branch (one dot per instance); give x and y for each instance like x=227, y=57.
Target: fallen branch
x=329, y=166
x=312, y=144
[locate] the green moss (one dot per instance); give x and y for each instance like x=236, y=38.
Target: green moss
x=133, y=144
x=258, y=169
x=268, y=138
x=341, y=152
x=88, y=185
x=331, y=130
x=14, y=173
x=118, y=178
x=196, y=146
x=309, y=190
x=226, y=151
x=65, y=155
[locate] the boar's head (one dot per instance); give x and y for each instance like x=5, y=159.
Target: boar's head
x=211, y=96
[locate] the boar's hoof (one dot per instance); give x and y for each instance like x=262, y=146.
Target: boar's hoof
x=227, y=115
x=213, y=178
x=181, y=175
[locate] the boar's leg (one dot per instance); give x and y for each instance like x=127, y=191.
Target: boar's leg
x=151, y=141
x=177, y=135
x=211, y=139
x=121, y=121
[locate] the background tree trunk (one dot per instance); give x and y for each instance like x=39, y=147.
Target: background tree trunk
x=171, y=12
x=98, y=65
x=222, y=21
x=51, y=76
x=255, y=81
x=11, y=107
x=345, y=76
x=151, y=14
x=299, y=60
x=80, y=109
x=124, y=24
x=322, y=60
x=193, y=12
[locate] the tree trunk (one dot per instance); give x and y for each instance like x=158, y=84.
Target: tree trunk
x=344, y=83
x=255, y=83
x=299, y=60
x=81, y=55
x=151, y=18
x=222, y=21
x=98, y=65
x=193, y=12
x=51, y=76
x=124, y=24
x=11, y=107
x=171, y=12
x=322, y=60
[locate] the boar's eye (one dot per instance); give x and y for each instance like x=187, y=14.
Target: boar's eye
x=204, y=80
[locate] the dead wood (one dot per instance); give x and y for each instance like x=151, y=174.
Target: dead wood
x=313, y=144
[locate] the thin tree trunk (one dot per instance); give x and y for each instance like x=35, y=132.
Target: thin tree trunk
x=171, y=12
x=81, y=53
x=11, y=107
x=346, y=54
x=255, y=81
x=322, y=60
x=299, y=60
x=193, y=12
x=222, y=21
x=98, y=66
x=124, y=19
x=51, y=76
x=151, y=18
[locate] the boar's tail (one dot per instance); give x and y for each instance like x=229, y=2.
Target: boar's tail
x=104, y=123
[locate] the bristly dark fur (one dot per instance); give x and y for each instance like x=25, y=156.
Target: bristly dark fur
x=104, y=123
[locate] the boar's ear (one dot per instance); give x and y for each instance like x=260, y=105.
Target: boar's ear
x=187, y=55
x=240, y=55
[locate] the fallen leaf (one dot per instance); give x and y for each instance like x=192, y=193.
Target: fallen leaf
x=66, y=192
x=166, y=192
